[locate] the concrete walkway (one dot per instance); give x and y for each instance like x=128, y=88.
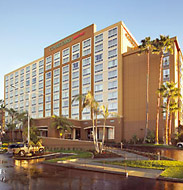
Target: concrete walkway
x=94, y=165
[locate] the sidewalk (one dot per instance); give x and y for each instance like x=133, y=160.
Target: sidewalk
x=94, y=165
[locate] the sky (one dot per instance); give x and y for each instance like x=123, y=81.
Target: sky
x=27, y=27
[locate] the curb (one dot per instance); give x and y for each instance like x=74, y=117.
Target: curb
x=170, y=179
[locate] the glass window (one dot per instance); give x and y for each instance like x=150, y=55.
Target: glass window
x=86, y=81
x=65, y=52
x=56, y=88
x=98, y=58
x=56, y=59
x=75, y=92
x=48, y=91
x=41, y=63
x=65, y=77
x=113, y=106
x=48, y=62
x=98, y=38
x=48, y=98
x=112, y=95
x=85, y=89
x=112, y=43
x=48, y=83
x=56, y=72
x=56, y=97
x=41, y=70
x=75, y=48
x=99, y=77
x=65, y=69
x=48, y=106
x=65, y=112
x=87, y=43
x=98, y=87
x=48, y=75
x=99, y=97
x=75, y=56
x=99, y=67
x=166, y=61
x=65, y=86
x=41, y=77
x=112, y=74
x=75, y=65
x=34, y=80
x=34, y=66
x=65, y=60
x=75, y=74
x=56, y=80
x=86, y=62
x=65, y=94
x=86, y=71
x=112, y=53
x=75, y=83
x=166, y=74
x=98, y=48
x=33, y=87
x=56, y=105
x=112, y=85
x=86, y=52
x=65, y=103
x=112, y=63
x=28, y=69
x=112, y=32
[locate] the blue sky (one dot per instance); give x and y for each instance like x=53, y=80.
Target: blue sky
x=27, y=27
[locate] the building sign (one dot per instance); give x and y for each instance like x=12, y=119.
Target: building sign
x=66, y=41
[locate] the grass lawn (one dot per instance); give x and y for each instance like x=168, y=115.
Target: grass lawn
x=78, y=154
x=172, y=169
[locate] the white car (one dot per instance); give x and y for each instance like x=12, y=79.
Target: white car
x=180, y=144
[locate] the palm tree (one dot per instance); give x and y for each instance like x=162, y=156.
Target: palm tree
x=62, y=124
x=164, y=44
x=170, y=92
x=89, y=101
x=146, y=47
x=174, y=107
x=12, y=125
x=105, y=113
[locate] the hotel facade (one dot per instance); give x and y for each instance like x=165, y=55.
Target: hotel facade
x=105, y=62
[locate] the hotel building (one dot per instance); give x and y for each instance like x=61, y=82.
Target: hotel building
x=105, y=62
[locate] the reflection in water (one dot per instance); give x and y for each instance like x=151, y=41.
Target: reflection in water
x=33, y=175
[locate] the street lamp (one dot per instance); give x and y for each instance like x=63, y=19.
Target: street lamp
x=28, y=135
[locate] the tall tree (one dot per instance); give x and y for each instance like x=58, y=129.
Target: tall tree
x=160, y=46
x=62, y=124
x=89, y=101
x=146, y=47
x=169, y=92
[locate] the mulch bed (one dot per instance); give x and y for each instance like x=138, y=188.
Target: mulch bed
x=105, y=154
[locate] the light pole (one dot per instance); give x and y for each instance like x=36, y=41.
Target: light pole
x=28, y=116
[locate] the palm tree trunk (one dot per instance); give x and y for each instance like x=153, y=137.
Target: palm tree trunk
x=158, y=101
x=170, y=129
x=103, y=137
x=166, y=125
x=147, y=100
x=94, y=137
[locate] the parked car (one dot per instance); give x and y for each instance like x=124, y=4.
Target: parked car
x=23, y=149
x=180, y=144
x=11, y=147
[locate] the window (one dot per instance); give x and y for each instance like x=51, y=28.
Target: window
x=86, y=62
x=112, y=74
x=48, y=98
x=112, y=85
x=86, y=71
x=56, y=72
x=56, y=59
x=34, y=66
x=99, y=77
x=87, y=43
x=56, y=80
x=75, y=51
x=34, y=87
x=48, y=62
x=113, y=106
x=22, y=71
x=16, y=74
x=85, y=89
x=41, y=63
x=48, y=75
x=75, y=65
x=99, y=97
x=98, y=38
x=75, y=74
x=98, y=87
x=34, y=102
x=65, y=77
x=112, y=32
x=40, y=108
x=65, y=69
x=86, y=81
x=112, y=95
x=75, y=83
x=98, y=58
x=112, y=63
x=75, y=112
x=48, y=91
x=55, y=105
x=65, y=60
x=112, y=53
x=166, y=74
x=75, y=92
x=40, y=100
x=65, y=52
x=33, y=95
x=41, y=70
x=41, y=85
x=112, y=43
x=65, y=86
x=41, y=77
x=33, y=80
x=56, y=97
x=110, y=133
x=47, y=113
x=27, y=69
x=48, y=83
x=48, y=106
x=65, y=103
x=98, y=48
x=86, y=52
x=166, y=61
x=65, y=55
x=27, y=75
x=56, y=88
x=99, y=67
x=65, y=112
x=65, y=94
x=27, y=82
